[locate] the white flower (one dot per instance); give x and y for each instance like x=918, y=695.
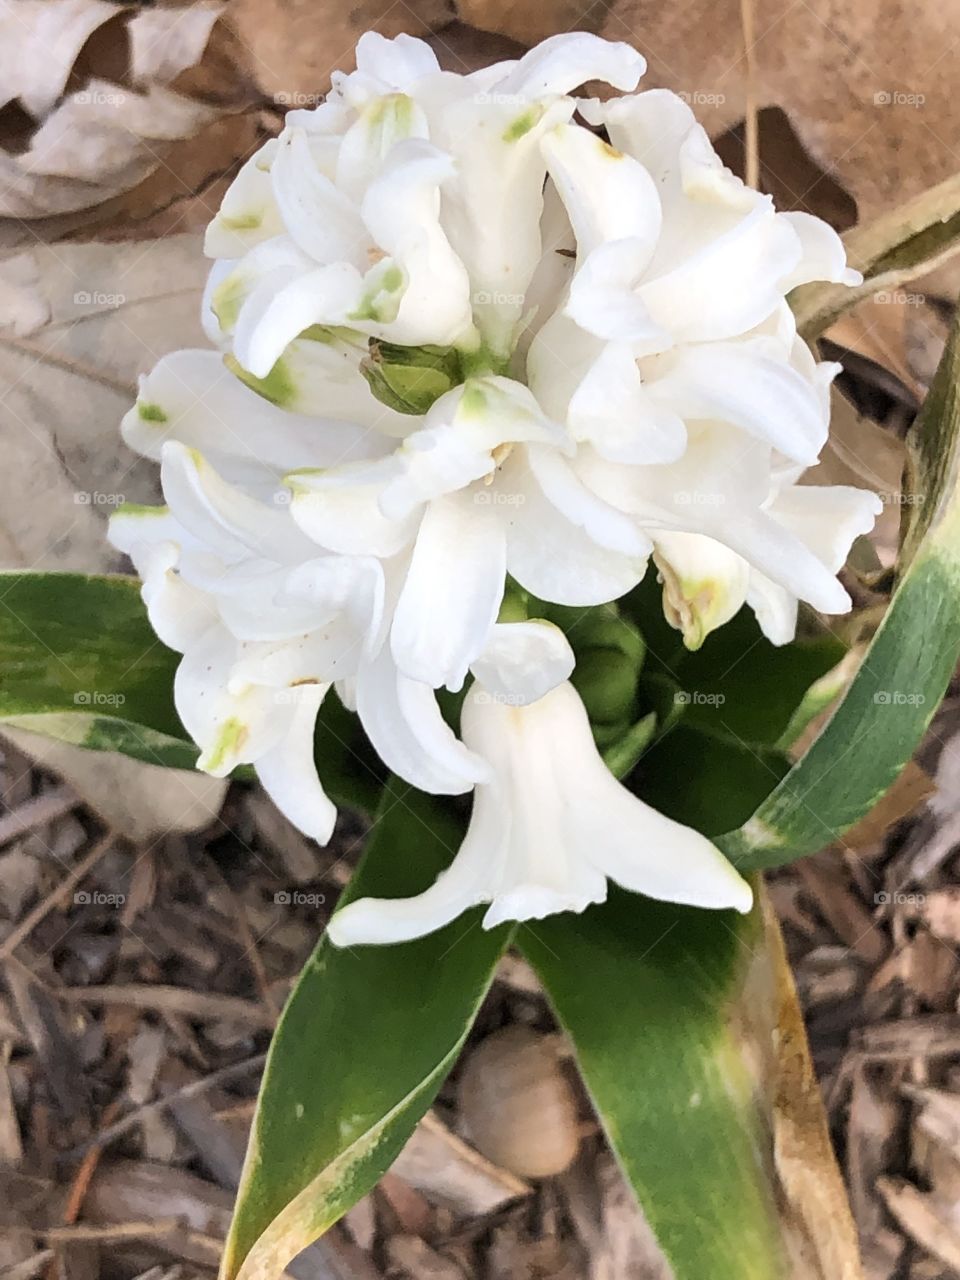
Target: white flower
x=466, y=347
x=547, y=831
x=406, y=206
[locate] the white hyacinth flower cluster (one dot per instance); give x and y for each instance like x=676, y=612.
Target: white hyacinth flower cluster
x=466, y=339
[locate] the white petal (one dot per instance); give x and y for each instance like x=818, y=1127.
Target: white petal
x=553, y=558
x=775, y=609
x=403, y=721
x=381, y=124
x=429, y=464
x=606, y=526
x=604, y=301
x=827, y=518
x=189, y=396
x=280, y=308
x=401, y=210
x=614, y=411
x=452, y=591
x=704, y=583
x=640, y=849
x=562, y=62
x=223, y=516
x=288, y=773
x=607, y=194
x=747, y=384
x=178, y=612
x=649, y=126
x=339, y=509
x=324, y=223
x=703, y=175
x=230, y=728
x=522, y=661
x=248, y=213
x=398, y=63
x=463, y=885
x=730, y=284
x=824, y=255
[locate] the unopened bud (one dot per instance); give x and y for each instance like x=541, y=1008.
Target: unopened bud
x=410, y=379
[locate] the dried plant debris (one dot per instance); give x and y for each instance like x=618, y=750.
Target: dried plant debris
x=95, y=98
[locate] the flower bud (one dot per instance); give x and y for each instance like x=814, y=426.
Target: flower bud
x=610, y=654
x=410, y=379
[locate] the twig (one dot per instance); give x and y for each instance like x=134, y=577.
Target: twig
x=43, y=909
x=751, y=123
x=36, y=812
x=251, y=951
x=113, y=1231
x=76, y=1196
x=107, y=1135
x=166, y=999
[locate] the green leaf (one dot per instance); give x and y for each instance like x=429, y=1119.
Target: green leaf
x=740, y=684
x=901, y=245
x=878, y=724
x=364, y=1042
x=737, y=683
x=645, y=990
x=79, y=661
x=706, y=780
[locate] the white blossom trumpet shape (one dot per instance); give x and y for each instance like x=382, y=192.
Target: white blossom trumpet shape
x=548, y=830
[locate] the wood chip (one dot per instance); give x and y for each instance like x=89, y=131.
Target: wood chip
x=924, y=1219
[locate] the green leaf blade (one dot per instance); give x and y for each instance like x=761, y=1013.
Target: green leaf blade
x=364, y=1043
x=660, y=1061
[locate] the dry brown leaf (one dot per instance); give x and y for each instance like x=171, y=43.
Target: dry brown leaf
x=114, y=310
x=908, y=792
x=118, y=117
x=40, y=40
x=877, y=330
x=817, y=1227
